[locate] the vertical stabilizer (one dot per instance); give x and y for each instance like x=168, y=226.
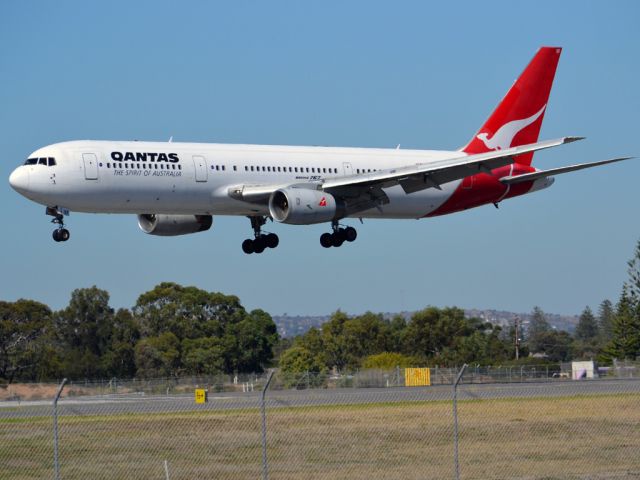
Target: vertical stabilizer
x=518, y=117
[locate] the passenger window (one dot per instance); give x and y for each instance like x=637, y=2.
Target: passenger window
x=126, y=165
x=173, y=167
x=179, y=167
x=100, y=164
x=223, y=168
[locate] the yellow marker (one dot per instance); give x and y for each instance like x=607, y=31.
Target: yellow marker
x=417, y=377
x=201, y=395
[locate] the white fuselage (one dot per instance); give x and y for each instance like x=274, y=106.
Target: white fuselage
x=195, y=178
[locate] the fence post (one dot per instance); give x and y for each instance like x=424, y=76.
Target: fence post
x=265, y=468
x=56, y=462
x=455, y=421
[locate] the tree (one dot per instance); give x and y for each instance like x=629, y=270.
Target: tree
x=203, y=356
x=625, y=342
x=249, y=343
x=587, y=328
x=26, y=346
x=606, y=314
x=298, y=359
x=187, y=312
x=625, y=338
x=432, y=331
x=158, y=356
x=119, y=359
x=556, y=345
x=85, y=330
x=537, y=331
x=389, y=361
x=633, y=283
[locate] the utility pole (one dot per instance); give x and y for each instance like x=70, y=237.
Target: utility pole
x=517, y=339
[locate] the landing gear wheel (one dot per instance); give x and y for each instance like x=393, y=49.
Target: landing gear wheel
x=271, y=240
x=61, y=235
x=261, y=240
x=326, y=240
x=247, y=246
x=259, y=244
x=336, y=239
x=350, y=234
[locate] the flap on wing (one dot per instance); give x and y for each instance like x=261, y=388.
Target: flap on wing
x=528, y=177
x=433, y=174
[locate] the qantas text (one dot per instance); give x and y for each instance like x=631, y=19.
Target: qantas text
x=144, y=157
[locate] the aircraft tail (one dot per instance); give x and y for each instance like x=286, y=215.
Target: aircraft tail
x=518, y=117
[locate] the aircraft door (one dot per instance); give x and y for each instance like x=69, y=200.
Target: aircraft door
x=200, y=165
x=90, y=161
x=348, y=169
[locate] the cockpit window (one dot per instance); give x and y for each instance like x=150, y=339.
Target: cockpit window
x=48, y=161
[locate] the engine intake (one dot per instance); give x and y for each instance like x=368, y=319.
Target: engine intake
x=303, y=206
x=172, y=225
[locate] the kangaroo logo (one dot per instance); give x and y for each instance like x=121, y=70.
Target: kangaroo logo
x=323, y=202
x=504, y=136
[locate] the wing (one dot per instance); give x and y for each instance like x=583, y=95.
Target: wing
x=363, y=191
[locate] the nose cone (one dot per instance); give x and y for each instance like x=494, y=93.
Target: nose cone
x=19, y=180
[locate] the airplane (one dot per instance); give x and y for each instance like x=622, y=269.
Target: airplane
x=176, y=188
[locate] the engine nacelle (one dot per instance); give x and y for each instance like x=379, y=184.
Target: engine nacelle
x=171, y=225
x=303, y=206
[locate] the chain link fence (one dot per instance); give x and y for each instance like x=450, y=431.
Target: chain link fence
x=361, y=425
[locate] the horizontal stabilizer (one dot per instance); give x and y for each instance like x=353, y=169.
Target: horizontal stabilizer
x=529, y=177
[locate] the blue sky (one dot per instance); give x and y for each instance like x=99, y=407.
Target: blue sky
x=372, y=74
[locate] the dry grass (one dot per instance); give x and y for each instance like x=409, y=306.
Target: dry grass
x=583, y=437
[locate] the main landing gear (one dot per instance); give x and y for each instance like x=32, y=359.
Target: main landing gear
x=261, y=241
x=338, y=237
x=60, y=234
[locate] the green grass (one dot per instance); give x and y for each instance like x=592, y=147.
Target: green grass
x=596, y=437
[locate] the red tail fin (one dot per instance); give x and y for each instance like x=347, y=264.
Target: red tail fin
x=518, y=117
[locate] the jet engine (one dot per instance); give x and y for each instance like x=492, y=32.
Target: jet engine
x=303, y=206
x=171, y=225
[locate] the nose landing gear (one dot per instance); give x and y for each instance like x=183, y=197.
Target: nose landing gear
x=338, y=237
x=60, y=234
x=261, y=241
